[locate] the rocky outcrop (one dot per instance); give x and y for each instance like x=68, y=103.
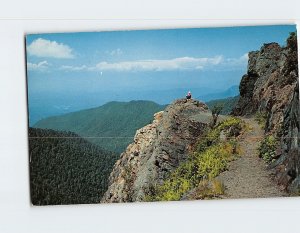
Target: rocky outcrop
x=271, y=87
x=288, y=164
x=157, y=149
x=266, y=88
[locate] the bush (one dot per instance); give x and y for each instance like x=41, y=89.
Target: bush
x=232, y=126
x=267, y=148
x=200, y=166
x=218, y=187
x=216, y=110
x=208, y=190
x=261, y=118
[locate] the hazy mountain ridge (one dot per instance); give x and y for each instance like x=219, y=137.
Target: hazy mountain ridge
x=53, y=104
x=111, y=126
x=230, y=92
x=228, y=104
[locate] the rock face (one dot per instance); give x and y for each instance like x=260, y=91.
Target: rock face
x=288, y=165
x=157, y=149
x=271, y=86
x=266, y=87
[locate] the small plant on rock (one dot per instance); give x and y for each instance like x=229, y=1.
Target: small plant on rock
x=267, y=148
x=216, y=110
x=261, y=118
x=208, y=189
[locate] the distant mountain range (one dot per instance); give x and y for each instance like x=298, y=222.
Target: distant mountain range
x=230, y=92
x=53, y=104
x=227, y=103
x=111, y=126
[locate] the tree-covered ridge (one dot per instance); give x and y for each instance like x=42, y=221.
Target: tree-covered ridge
x=111, y=126
x=228, y=104
x=66, y=169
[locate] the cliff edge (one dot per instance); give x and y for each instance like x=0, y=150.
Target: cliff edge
x=158, y=148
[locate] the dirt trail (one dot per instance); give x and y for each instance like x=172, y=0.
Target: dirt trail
x=247, y=177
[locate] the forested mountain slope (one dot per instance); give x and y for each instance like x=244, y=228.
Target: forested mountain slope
x=111, y=126
x=228, y=104
x=66, y=169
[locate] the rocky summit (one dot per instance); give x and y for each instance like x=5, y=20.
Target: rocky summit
x=158, y=148
x=266, y=87
x=271, y=87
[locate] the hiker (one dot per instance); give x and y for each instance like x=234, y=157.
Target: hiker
x=189, y=95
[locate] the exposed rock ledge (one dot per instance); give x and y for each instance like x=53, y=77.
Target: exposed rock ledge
x=157, y=149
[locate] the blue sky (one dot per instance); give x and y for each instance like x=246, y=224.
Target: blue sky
x=78, y=64
x=124, y=52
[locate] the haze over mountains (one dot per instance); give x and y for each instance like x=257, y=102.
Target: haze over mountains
x=43, y=106
x=227, y=104
x=111, y=126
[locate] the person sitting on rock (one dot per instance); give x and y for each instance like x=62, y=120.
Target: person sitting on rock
x=189, y=95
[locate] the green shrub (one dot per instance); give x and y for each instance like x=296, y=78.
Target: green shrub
x=208, y=190
x=261, y=118
x=211, y=137
x=267, y=148
x=218, y=187
x=216, y=110
x=200, y=166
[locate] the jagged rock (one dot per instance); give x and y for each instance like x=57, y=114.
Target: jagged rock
x=290, y=157
x=157, y=149
x=261, y=88
x=271, y=86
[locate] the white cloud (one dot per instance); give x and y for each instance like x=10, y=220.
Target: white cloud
x=241, y=60
x=74, y=68
x=116, y=52
x=234, y=63
x=41, y=66
x=182, y=63
x=245, y=57
x=46, y=48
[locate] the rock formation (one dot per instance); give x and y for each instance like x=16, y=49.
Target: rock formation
x=288, y=164
x=157, y=149
x=271, y=87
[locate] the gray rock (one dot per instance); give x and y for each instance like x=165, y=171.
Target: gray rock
x=158, y=148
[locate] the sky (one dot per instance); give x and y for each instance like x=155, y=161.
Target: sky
x=95, y=67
